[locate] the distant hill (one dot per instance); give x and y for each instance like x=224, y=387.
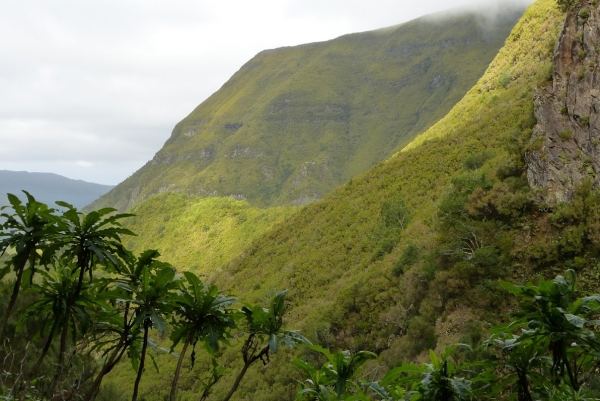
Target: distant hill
x=295, y=122
x=48, y=188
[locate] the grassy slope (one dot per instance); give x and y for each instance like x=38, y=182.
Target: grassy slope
x=199, y=234
x=340, y=287
x=293, y=123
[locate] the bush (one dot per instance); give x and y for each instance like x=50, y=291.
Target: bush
x=408, y=258
x=565, y=5
x=395, y=213
x=566, y=135
x=476, y=161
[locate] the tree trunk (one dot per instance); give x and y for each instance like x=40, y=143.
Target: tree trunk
x=238, y=379
x=178, y=369
x=13, y=299
x=61, y=354
x=142, y=361
x=106, y=368
x=247, y=363
x=523, y=393
x=213, y=380
x=113, y=359
x=572, y=377
x=38, y=364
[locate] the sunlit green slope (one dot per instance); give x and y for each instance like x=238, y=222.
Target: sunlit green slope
x=293, y=123
x=406, y=256
x=199, y=234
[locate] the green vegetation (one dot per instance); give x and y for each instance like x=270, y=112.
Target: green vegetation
x=293, y=123
x=401, y=262
x=584, y=13
x=565, y=135
x=358, y=282
x=549, y=352
x=585, y=121
x=566, y=5
x=100, y=303
x=203, y=234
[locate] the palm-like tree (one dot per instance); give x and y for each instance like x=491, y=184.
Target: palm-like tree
x=118, y=330
x=204, y=315
x=555, y=321
x=91, y=239
x=152, y=300
x=85, y=241
x=331, y=382
x=525, y=362
x=265, y=326
x=26, y=230
x=63, y=307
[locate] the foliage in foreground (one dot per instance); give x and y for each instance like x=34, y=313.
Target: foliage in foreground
x=550, y=351
x=96, y=299
x=100, y=303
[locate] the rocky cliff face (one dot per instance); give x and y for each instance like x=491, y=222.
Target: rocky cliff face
x=565, y=145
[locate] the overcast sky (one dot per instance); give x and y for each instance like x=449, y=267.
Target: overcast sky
x=91, y=90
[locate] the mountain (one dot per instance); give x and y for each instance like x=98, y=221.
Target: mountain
x=48, y=188
x=200, y=234
x=406, y=256
x=295, y=122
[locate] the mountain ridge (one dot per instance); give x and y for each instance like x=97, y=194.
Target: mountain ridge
x=50, y=187
x=295, y=122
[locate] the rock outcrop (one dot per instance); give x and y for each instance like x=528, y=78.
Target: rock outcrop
x=564, y=149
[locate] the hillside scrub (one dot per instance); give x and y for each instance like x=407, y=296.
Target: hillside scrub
x=327, y=253
x=201, y=233
x=326, y=249
x=358, y=283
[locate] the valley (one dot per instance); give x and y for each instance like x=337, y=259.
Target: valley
x=395, y=206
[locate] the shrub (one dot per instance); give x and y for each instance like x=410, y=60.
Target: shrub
x=476, y=161
x=409, y=257
x=565, y=5
x=585, y=121
x=565, y=135
x=395, y=213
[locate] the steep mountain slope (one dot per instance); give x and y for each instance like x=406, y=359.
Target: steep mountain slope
x=48, y=188
x=200, y=234
x=293, y=123
x=404, y=257
x=330, y=246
